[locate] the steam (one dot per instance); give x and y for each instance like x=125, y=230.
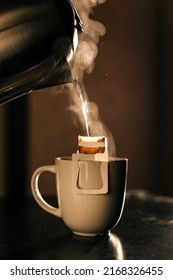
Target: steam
x=84, y=112
x=87, y=48
x=83, y=62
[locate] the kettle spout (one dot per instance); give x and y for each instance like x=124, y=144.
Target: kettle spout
x=61, y=74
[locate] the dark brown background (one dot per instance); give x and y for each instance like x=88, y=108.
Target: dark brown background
x=132, y=86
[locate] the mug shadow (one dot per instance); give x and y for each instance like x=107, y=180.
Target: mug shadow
x=73, y=247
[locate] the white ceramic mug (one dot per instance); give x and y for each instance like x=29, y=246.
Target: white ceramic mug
x=90, y=194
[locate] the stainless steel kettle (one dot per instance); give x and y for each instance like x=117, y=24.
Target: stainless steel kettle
x=37, y=40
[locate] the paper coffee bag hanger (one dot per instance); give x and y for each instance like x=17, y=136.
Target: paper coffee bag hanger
x=37, y=40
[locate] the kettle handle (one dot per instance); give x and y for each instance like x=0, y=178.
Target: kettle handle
x=36, y=192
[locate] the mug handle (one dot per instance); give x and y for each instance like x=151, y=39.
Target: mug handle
x=36, y=192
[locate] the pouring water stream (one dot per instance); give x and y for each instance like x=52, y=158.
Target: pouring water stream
x=84, y=105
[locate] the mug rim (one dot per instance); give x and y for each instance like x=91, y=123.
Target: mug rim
x=110, y=158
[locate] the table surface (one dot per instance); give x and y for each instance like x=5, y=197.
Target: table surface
x=145, y=231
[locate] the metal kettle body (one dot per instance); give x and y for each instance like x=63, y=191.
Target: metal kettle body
x=37, y=40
